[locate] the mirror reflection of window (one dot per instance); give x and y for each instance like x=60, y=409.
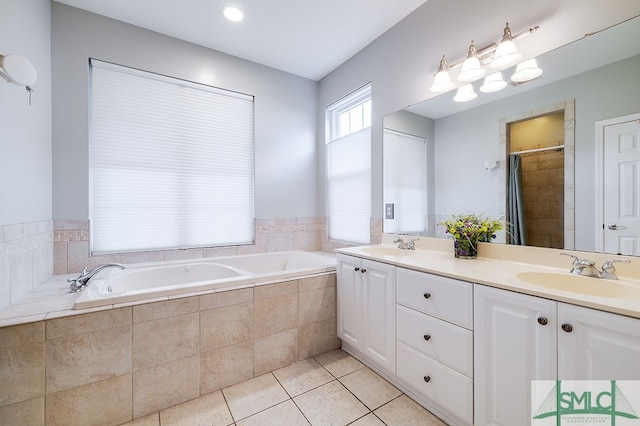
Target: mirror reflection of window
x=405, y=182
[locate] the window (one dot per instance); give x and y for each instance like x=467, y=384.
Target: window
x=171, y=162
x=349, y=168
x=405, y=181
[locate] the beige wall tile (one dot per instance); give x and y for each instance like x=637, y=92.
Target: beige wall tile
x=21, y=334
x=77, y=255
x=107, y=402
x=87, y=323
x=164, y=340
x=317, y=338
x=165, y=385
x=226, y=326
x=226, y=298
x=276, y=351
x=276, y=314
x=320, y=281
x=59, y=257
x=226, y=367
x=317, y=305
x=87, y=358
x=171, y=308
x=29, y=412
x=278, y=289
x=21, y=373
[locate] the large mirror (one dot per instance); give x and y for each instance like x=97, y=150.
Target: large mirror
x=443, y=157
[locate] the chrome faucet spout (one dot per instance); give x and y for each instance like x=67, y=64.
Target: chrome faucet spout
x=409, y=245
x=81, y=280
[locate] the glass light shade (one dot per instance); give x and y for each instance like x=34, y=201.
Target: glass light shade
x=442, y=82
x=493, y=83
x=471, y=70
x=527, y=70
x=233, y=13
x=465, y=94
x=506, y=54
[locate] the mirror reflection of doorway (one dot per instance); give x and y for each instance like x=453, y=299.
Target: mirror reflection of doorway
x=535, y=195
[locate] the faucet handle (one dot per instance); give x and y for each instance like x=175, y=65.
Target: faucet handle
x=576, y=259
x=609, y=263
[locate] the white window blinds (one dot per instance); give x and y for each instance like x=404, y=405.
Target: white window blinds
x=172, y=162
x=405, y=181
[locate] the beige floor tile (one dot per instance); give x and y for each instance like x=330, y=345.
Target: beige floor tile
x=302, y=377
x=208, y=410
x=250, y=397
x=150, y=420
x=370, y=388
x=285, y=413
x=403, y=411
x=339, y=363
x=330, y=404
x=368, y=420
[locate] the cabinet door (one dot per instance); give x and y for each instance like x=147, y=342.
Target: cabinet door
x=595, y=345
x=379, y=303
x=349, y=295
x=512, y=347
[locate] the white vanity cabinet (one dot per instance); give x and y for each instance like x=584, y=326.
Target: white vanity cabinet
x=519, y=338
x=366, y=309
x=435, y=339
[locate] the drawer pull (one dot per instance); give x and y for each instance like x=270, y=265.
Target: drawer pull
x=363, y=270
x=427, y=295
x=356, y=269
x=427, y=378
x=427, y=337
x=543, y=321
x=567, y=328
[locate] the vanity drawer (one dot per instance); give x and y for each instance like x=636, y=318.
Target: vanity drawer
x=447, y=343
x=447, y=387
x=444, y=298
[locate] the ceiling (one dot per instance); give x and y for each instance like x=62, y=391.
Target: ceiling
x=307, y=38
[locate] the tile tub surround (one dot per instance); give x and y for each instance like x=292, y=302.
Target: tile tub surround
x=26, y=258
x=124, y=363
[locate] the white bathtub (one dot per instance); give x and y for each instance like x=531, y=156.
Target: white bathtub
x=155, y=280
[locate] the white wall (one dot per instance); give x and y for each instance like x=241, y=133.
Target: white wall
x=25, y=131
x=285, y=107
x=400, y=63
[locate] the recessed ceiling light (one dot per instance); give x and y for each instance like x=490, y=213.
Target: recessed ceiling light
x=233, y=13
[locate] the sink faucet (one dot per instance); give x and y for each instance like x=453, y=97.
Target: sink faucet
x=409, y=245
x=81, y=280
x=587, y=268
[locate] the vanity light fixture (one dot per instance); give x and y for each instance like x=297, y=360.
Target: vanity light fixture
x=493, y=83
x=506, y=52
x=527, y=70
x=442, y=81
x=465, y=93
x=233, y=13
x=471, y=68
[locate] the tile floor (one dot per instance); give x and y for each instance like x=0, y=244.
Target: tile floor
x=330, y=389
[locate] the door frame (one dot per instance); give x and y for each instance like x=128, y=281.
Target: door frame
x=599, y=169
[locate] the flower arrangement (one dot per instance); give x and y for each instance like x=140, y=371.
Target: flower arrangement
x=469, y=229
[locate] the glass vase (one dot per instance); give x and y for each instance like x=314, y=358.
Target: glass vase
x=465, y=248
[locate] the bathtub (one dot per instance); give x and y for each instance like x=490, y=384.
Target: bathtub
x=156, y=280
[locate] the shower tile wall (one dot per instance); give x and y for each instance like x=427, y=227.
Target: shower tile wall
x=26, y=258
x=543, y=190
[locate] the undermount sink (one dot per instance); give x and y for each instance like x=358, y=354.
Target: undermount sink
x=387, y=251
x=582, y=285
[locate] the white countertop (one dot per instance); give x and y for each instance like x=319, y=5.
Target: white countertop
x=507, y=267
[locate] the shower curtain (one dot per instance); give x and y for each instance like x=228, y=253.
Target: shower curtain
x=516, y=228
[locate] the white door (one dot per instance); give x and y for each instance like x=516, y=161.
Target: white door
x=379, y=294
x=349, y=294
x=595, y=345
x=515, y=342
x=621, y=188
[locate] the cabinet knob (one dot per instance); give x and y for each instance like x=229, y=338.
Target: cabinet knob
x=363, y=270
x=427, y=378
x=356, y=269
x=427, y=295
x=568, y=328
x=543, y=321
x=427, y=337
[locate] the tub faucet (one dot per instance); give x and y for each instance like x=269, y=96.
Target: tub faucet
x=81, y=280
x=409, y=245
